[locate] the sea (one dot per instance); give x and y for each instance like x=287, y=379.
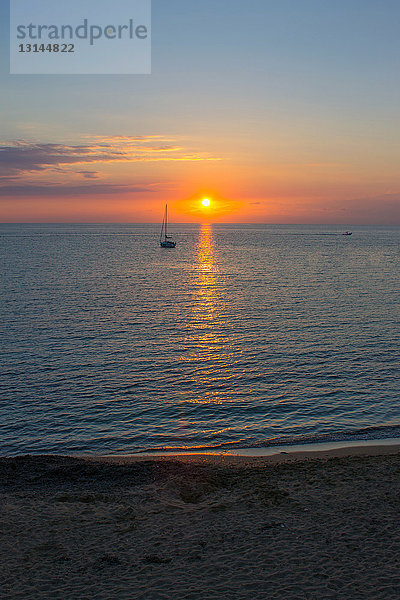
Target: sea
x=243, y=336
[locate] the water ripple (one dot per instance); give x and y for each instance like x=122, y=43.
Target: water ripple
x=243, y=336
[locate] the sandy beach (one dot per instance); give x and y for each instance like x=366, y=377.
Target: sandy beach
x=291, y=526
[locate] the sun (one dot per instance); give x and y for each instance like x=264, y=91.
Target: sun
x=206, y=202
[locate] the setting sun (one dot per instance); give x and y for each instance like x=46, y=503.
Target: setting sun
x=206, y=202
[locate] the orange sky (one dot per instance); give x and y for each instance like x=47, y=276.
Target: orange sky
x=294, y=124
x=285, y=113
x=128, y=179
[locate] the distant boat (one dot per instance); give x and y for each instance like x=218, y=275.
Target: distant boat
x=165, y=239
x=347, y=233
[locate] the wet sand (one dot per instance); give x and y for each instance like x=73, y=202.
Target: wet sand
x=196, y=527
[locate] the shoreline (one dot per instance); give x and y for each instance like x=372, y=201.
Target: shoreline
x=381, y=446
x=283, y=452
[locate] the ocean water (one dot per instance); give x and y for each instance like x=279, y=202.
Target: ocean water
x=243, y=336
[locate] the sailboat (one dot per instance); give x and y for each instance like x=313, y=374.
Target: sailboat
x=165, y=239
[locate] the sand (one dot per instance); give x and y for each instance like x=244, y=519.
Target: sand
x=202, y=527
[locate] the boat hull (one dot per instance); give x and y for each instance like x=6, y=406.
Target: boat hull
x=168, y=244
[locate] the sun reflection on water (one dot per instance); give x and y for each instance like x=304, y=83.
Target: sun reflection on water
x=207, y=271
x=211, y=353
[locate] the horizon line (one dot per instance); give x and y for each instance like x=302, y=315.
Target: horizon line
x=198, y=223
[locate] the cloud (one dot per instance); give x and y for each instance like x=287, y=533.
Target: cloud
x=7, y=178
x=88, y=174
x=71, y=190
x=29, y=168
x=388, y=196
x=21, y=157
x=391, y=199
x=384, y=209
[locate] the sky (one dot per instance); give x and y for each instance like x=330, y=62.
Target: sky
x=278, y=111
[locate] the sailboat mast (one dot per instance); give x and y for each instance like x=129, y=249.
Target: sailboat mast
x=166, y=242
x=162, y=229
